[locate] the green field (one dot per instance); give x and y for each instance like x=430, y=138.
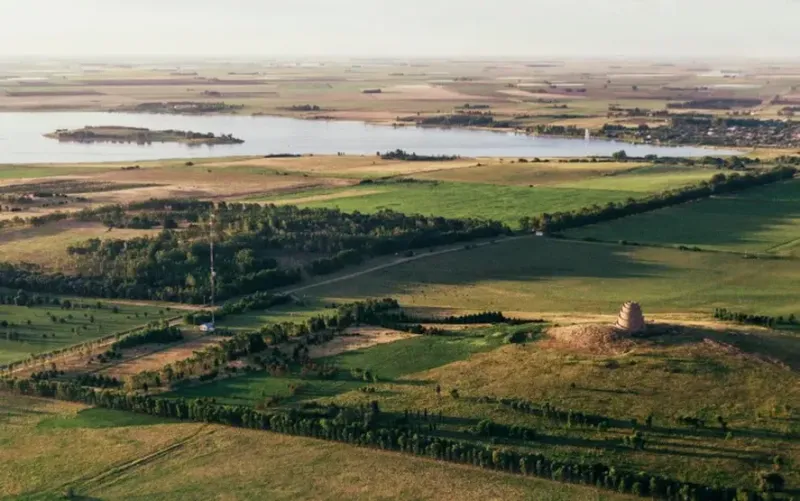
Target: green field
x=43, y=335
x=651, y=179
x=101, y=458
x=388, y=362
x=666, y=378
x=765, y=219
x=97, y=417
x=253, y=320
x=549, y=275
x=615, y=176
x=457, y=200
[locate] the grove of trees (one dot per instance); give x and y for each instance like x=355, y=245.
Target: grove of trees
x=174, y=265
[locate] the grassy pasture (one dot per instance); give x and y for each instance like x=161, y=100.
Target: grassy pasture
x=252, y=320
x=9, y=173
x=43, y=335
x=616, y=176
x=492, y=171
x=650, y=179
x=547, y=275
x=764, y=219
x=459, y=200
x=46, y=245
x=349, y=166
x=666, y=377
x=108, y=183
x=388, y=361
x=102, y=455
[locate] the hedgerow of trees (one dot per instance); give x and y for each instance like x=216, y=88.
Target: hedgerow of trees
x=368, y=426
x=215, y=357
x=748, y=318
x=719, y=183
x=399, y=154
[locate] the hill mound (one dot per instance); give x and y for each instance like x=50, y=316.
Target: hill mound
x=600, y=338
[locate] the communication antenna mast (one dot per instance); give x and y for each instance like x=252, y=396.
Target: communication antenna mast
x=213, y=273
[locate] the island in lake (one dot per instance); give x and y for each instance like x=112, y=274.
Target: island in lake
x=140, y=135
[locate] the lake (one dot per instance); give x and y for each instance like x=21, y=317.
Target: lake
x=22, y=140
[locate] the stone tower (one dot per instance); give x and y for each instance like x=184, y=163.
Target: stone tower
x=630, y=318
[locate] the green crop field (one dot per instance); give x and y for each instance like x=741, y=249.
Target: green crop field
x=765, y=219
x=102, y=455
x=252, y=320
x=457, y=200
x=549, y=173
x=549, y=275
x=30, y=330
x=387, y=362
x=10, y=172
x=615, y=176
x=645, y=179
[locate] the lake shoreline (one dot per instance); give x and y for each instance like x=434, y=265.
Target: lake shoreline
x=262, y=135
x=369, y=120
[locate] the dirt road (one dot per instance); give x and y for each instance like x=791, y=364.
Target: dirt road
x=400, y=261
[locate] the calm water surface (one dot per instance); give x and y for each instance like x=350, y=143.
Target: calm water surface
x=22, y=141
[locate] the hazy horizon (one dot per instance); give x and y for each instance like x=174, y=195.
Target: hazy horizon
x=471, y=29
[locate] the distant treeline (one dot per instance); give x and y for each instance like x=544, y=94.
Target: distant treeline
x=413, y=157
x=747, y=318
x=368, y=426
x=302, y=107
x=471, y=119
x=719, y=183
x=716, y=103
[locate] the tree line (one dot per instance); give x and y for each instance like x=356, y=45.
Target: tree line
x=86, y=347
x=399, y=154
x=161, y=333
x=213, y=358
x=550, y=412
x=719, y=183
x=250, y=302
x=368, y=426
x=402, y=321
x=747, y=318
x=174, y=265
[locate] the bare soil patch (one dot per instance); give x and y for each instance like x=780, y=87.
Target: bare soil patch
x=424, y=92
x=328, y=196
x=54, y=93
x=350, y=166
x=539, y=95
x=357, y=338
x=595, y=338
x=145, y=358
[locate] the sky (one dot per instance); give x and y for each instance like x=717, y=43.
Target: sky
x=402, y=28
